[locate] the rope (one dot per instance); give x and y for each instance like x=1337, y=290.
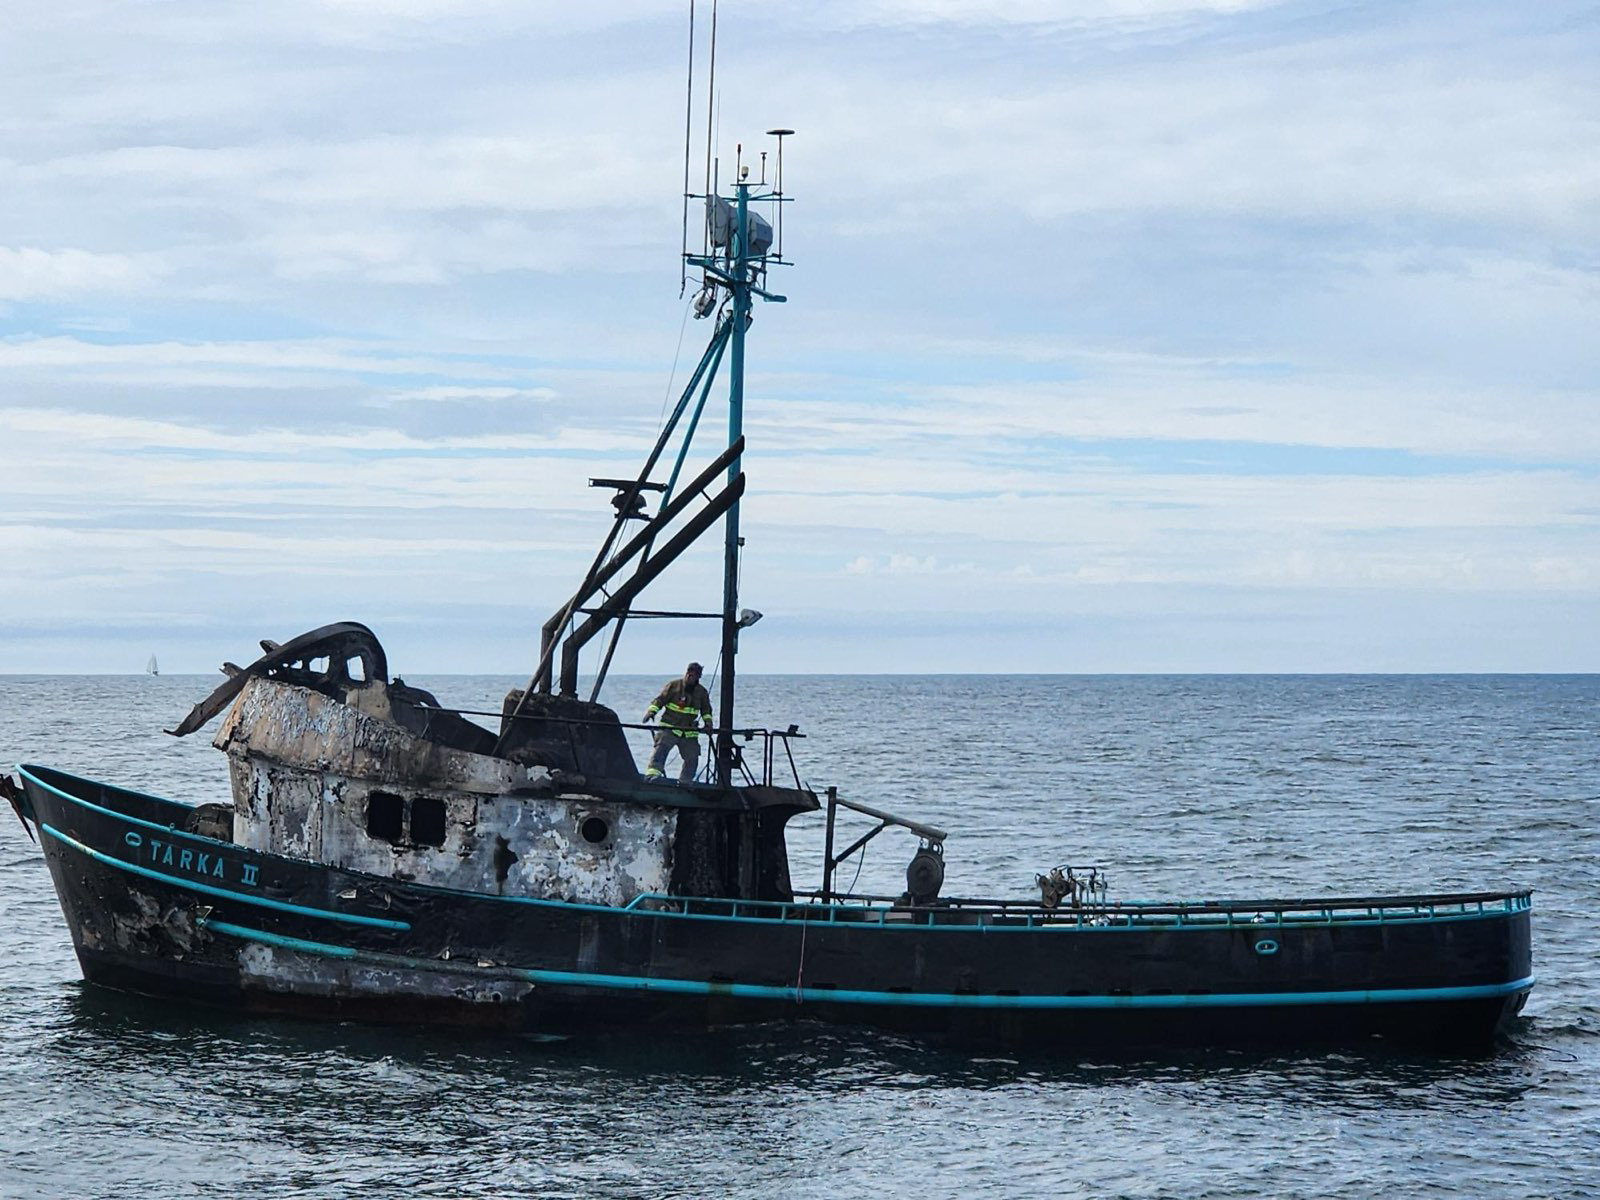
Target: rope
x=800, y=971
x=860, y=862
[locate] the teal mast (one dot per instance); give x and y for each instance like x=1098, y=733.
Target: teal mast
x=740, y=251
x=741, y=288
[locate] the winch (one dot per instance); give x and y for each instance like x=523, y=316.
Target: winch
x=925, y=873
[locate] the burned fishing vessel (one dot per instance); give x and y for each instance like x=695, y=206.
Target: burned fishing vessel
x=385, y=857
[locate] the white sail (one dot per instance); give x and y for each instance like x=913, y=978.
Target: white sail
x=150, y=667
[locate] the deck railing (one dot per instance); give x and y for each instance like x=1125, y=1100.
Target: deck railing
x=769, y=739
x=1002, y=914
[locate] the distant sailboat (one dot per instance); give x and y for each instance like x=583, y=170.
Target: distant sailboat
x=150, y=667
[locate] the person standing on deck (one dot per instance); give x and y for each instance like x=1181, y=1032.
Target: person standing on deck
x=683, y=704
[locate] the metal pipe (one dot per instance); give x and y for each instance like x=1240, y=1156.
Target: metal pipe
x=827, y=847
x=648, y=570
x=730, y=549
x=551, y=631
x=668, y=492
x=916, y=827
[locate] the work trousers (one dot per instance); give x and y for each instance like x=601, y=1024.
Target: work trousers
x=688, y=750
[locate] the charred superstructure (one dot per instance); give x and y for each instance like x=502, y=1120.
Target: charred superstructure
x=386, y=857
x=332, y=764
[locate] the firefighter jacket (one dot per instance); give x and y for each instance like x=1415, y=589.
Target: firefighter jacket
x=682, y=706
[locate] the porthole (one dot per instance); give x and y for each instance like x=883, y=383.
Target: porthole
x=594, y=830
x=427, y=821
x=385, y=815
x=1266, y=946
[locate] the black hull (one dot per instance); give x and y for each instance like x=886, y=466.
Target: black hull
x=161, y=912
x=1464, y=1025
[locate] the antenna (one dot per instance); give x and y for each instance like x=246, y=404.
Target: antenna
x=711, y=103
x=777, y=178
x=688, y=119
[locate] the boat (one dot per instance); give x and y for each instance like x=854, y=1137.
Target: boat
x=150, y=667
x=385, y=857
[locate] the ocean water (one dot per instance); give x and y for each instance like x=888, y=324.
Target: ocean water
x=1183, y=786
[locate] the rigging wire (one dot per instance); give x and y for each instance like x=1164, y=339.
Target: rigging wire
x=661, y=421
x=800, y=967
x=861, y=860
x=711, y=758
x=672, y=376
x=688, y=119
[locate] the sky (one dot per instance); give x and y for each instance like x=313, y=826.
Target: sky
x=1122, y=335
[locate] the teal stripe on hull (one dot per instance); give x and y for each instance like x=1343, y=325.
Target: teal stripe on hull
x=224, y=893
x=853, y=912
x=121, y=816
x=754, y=991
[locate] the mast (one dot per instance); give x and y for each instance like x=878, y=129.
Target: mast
x=740, y=272
x=739, y=249
x=749, y=250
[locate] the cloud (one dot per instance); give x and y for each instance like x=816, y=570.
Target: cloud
x=459, y=394
x=899, y=564
x=1355, y=132
x=1042, y=11
x=1094, y=304
x=31, y=273
x=277, y=451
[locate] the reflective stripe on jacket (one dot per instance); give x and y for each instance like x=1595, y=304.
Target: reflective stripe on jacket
x=682, y=708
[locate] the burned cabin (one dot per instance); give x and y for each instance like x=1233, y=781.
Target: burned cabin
x=331, y=763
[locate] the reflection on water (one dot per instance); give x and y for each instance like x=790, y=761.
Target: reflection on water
x=104, y=1034
x=198, y=1098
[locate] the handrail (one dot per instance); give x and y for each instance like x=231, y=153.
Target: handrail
x=752, y=731
x=748, y=733
x=887, y=910
x=1515, y=899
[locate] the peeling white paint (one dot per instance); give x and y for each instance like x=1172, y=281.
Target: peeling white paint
x=304, y=768
x=287, y=971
